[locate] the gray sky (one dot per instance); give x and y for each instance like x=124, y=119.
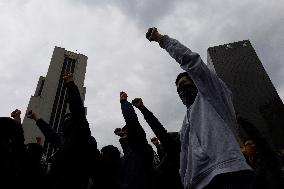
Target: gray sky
x=112, y=34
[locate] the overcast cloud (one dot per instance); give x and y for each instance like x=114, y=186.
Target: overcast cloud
x=112, y=35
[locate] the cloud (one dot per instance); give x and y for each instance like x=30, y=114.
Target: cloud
x=112, y=35
x=144, y=13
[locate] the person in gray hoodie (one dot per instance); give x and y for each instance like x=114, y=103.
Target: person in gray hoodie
x=210, y=155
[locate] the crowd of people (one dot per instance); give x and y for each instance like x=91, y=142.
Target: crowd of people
x=205, y=153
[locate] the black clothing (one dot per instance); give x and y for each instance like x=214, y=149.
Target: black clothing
x=13, y=156
x=167, y=173
x=137, y=163
x=17, y=168
x=72, y=162
x=50, y=135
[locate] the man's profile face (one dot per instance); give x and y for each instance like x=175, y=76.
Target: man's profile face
x=184, y=81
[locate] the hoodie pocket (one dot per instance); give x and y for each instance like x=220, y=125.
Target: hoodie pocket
x=200, y=158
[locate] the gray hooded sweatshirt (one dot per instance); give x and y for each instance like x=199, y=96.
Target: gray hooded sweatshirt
x=208, y=135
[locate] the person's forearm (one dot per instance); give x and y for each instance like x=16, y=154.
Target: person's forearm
x=51, y=136
x=75, y=102
x=135, y=133
x=176, y=50
x=168, y=143
x=18, y=119
x=154, y=123
x=128, y=112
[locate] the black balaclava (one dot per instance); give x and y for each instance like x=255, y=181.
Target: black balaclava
x=187, y=94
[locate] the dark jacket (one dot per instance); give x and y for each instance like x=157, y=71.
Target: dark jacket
x=13, y=154
x=137, y=163
x=18, y=170
x=167, y=173
x=72, y=161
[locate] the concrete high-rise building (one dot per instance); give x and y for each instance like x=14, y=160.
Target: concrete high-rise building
x=254, y=95
x=50, y=98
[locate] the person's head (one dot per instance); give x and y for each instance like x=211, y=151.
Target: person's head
x=186, y=89
x=11, y=133
x=110, y=153
x=249, y=147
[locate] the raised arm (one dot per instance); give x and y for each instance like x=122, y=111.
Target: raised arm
x=209, y=85
x=79, y=126
x=168, y=143
x=74, y=99
x=128, y=111
x=50, y=135
x=205, y=80
x=135, y=132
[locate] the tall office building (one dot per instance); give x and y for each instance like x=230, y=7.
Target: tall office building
x=254, y=95
x=50, y=98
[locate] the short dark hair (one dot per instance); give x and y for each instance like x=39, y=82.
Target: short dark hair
x=112, y=151
x=245, y=139
x=182, y=75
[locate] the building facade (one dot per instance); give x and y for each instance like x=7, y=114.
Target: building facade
x=50, y=98
x=254, y=95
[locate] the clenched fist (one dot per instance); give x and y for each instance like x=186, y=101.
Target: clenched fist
x=123, y=96
x=67, y=77
x=138, y=103
x=16, y=113
x=120, y=132
x=32, y=115
x=153, y=35
x=155, y=141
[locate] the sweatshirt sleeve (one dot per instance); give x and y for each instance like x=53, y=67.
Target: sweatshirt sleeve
x=209, y=85
x=50, y=135
x=206, y=81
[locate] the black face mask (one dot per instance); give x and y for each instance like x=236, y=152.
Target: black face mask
x=187, y=94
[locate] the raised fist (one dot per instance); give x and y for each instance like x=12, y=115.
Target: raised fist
x=123, y=96
x=67, y=77
x=155, y=141
x=16, y=113
x=138, y=103
x=119, y=132
x=153, y=35
x=32, y=115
